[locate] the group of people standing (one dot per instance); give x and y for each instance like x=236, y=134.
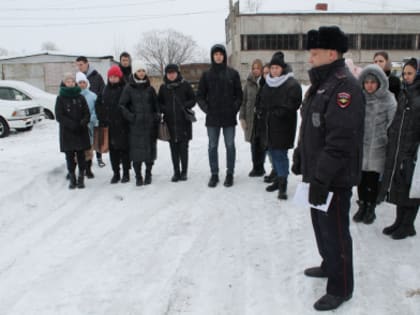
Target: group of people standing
x=362, y=132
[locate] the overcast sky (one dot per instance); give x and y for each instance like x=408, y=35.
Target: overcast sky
x=102, y=27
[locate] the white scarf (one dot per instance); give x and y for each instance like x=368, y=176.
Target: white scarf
x=277, y=81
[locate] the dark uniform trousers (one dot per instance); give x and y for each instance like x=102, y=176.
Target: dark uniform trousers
x=335, y=243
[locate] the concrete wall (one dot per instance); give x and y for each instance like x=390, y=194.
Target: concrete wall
x=300, y=23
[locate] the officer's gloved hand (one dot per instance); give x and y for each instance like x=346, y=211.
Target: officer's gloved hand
x=318, y=193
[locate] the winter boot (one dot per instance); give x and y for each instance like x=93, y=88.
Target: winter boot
x=274, y=185
x=72, y=179
x=177, y=176
x=256, y=171
x=116, y=178
x=214, y=179
x=360, y=213
x=125, y=177
x=228, y=180
x=89, y=173
x=271, y=177
x=139, y=180
x=148, y=177
x=370, y=215
x=407, y=225
x=81, y=181
x=100, y=161
x=394, y=226
x=282, y=188
x=183, y=176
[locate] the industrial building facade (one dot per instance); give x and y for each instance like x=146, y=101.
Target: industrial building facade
x=250, y=36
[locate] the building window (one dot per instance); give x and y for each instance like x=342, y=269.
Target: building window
x=270, y=42
x=388, y=41
x=352, y=41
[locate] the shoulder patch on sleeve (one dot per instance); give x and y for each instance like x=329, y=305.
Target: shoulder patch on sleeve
x=343, y=99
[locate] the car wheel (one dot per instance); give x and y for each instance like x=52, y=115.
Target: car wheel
x=48, y=114
x=4, y=128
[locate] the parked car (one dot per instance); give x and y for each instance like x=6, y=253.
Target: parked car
x=19, y=115
x=14, y=91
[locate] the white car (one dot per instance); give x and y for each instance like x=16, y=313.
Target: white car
x=14, y=91
x=18, y=115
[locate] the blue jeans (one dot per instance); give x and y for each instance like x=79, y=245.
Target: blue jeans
x=280, y=161
x=229, y=136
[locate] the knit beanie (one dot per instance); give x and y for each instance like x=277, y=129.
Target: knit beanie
x=80, y=76
x=278, y=59
x=68, y=75
x=171, y=68
x=115, y=71
x=371, y=77
x=137, y=65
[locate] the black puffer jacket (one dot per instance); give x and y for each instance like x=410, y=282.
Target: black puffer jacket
x=72, y=113
x=330, y=144
x=219, y=93
x=109, y=114
x=278, y=106
x=139, y=107
x=404, y=139
x=173, y=98
x=96, y=81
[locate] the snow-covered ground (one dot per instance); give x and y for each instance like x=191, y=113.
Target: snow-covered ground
x=175, y=248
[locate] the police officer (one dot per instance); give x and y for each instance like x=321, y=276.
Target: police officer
x=328, y=156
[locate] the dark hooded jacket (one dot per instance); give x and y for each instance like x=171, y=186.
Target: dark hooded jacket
x=96, y=81
x=174, y=97
x=404, y=139
x=72, y=113
x=139, y=107
x=219, y=92
x=126, y=72
x=110, y=114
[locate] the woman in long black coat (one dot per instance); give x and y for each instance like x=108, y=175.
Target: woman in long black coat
x=404, y=139
x=110, y=114
x=278, y=103
x=72, y=113
x=175, y=97
x=139, y=107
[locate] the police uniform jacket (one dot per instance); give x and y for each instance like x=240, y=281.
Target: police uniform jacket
x=331, y=135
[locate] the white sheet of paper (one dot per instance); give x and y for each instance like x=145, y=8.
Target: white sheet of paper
x=301, y=198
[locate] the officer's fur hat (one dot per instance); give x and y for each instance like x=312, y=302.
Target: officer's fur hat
x=327, y=37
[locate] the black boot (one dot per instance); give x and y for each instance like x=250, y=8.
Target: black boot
x=407, y=225
x=228, y=180
x=183, y=176
x=177, y=176
x=81, y=181
x=72, y=179
x=214, y=179
x=148, y=177
x=271, y=177
x=370, y=215
x=100, y=161
x=394, y=226
x=89, y=173
x=282, y=188
x=116, y=178
x=257, y=171
x=360, y=213
x=139, y=180
x=126, y=176
x=274, y=185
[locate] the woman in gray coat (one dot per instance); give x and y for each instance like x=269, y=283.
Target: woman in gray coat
x=247, y=116
x=380, y=109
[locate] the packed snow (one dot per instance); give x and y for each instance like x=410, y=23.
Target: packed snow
x=175, y=248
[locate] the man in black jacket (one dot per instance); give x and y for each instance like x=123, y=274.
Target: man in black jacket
x=219, y=95
x=329, y=156
x=97, y=85
x=125, y=65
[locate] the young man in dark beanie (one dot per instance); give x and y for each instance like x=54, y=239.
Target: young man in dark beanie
x=329, y=156
x=219, y=95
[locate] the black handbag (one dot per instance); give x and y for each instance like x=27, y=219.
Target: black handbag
x=190, y=114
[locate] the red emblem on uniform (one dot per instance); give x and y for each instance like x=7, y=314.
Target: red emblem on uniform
x=343, y=99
